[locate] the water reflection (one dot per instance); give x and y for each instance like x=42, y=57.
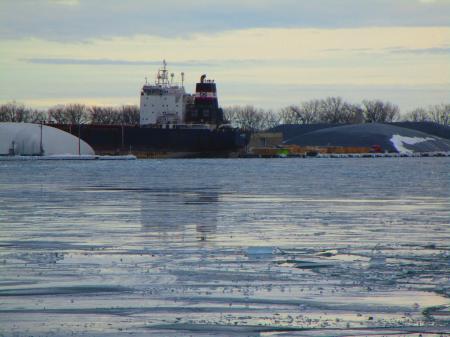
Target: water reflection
x=247, y=244
x=172, y=215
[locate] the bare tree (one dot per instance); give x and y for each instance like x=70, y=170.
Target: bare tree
x=307, y=113
x=335, y=110
x=57, y=114
x=351, y=114
x=377, y=111
x=129, y=115
x=251, y=118
x=15, y=112
x=235, y=115
x=271, y=119
x=440, y=113
x=291, y=115
x=4, y=113
x=418, y=115
x=38, y=116
x=331, y=110
x=310, y=111
x=68, y=114
x=76, y=113
x=104, y=115
x=229, y=114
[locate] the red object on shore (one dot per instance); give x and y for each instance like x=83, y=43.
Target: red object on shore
x=376, y=148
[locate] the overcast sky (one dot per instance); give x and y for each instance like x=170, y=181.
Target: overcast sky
x=269, y=53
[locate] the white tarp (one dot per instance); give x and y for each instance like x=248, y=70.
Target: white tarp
x=25, y=138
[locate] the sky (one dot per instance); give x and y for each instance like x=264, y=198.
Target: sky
x=267, y=53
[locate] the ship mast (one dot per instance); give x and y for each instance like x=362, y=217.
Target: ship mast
x=162, y=78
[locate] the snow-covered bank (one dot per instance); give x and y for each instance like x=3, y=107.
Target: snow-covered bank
x=68, y=157
x=384, y=155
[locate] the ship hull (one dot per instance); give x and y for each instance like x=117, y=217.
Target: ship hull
x=159, y=142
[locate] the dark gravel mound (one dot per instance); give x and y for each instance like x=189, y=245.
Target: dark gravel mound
x=367, y=135
x=431, y=128
x=293, y=130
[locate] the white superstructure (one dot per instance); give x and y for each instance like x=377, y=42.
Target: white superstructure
x=164, y=102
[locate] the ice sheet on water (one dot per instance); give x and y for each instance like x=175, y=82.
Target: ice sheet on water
x=261, y=251
x=334, y=247
x=41, y=291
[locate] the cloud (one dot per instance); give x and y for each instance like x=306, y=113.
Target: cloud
x=72, y=20
x=265, y=67
x=65, y=2
x=108, y=62
x=431, y=51
x=251, y=45
x=395, y=50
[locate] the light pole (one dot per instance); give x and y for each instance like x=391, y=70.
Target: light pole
x=79, y=140
x=41, y=147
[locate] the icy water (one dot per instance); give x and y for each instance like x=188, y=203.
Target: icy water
x=248, y=247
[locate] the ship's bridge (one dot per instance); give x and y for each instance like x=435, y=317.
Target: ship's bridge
x=164, y=101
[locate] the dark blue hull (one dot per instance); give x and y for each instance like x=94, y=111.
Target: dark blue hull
x=119, y=139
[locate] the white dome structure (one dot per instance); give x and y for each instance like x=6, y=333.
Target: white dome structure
x=25, y=139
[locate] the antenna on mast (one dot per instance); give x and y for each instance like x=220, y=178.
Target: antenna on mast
x=162, y=77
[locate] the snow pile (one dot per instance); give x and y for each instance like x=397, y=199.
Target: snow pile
x=25, y=139
x=400, y=141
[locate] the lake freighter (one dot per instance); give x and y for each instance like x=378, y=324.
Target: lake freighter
x=173, y=123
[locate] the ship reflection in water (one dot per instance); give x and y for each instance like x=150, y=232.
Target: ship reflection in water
x=172, y=213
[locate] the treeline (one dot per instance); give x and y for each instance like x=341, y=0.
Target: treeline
x=71, y=114
x=333, y=110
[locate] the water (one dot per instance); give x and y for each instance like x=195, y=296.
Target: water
x=249, y=247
